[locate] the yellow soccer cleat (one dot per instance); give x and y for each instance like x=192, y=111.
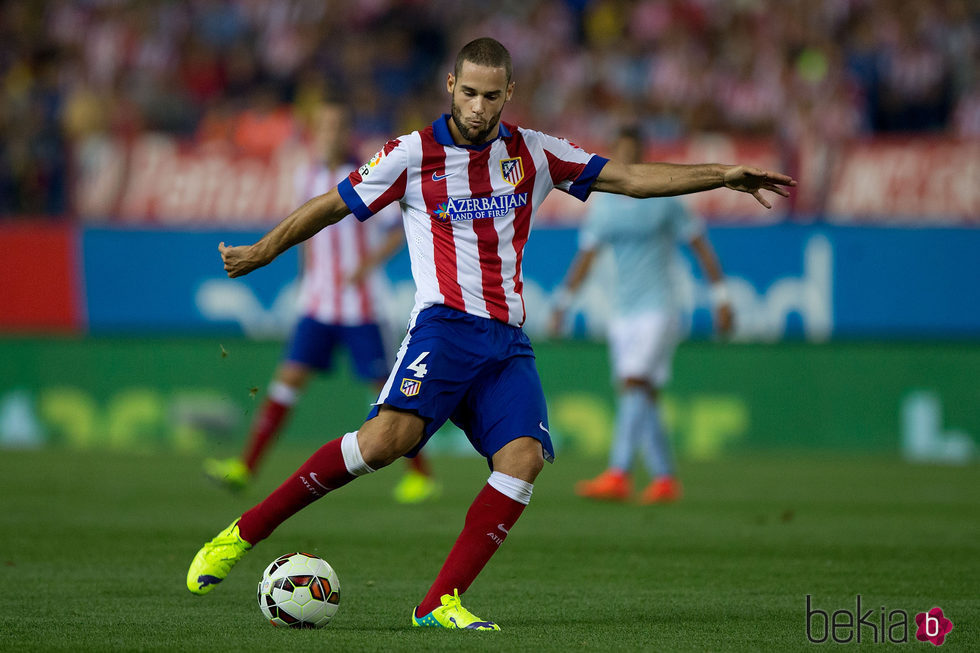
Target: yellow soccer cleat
x=451, y=614
x=416, y=488
x=230, y=472
x=215, y=559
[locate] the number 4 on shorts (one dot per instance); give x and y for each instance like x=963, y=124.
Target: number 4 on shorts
x=418, y=366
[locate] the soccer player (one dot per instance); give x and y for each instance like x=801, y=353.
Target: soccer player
x=468, y=186
x=643, y=333
x=342, y=305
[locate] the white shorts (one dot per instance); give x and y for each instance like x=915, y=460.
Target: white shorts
x=642, y=346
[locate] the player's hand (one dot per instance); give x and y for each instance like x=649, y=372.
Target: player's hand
x=239, y=260
x=747, y=179
x=724, y=319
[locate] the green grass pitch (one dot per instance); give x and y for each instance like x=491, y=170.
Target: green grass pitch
x=94, y=549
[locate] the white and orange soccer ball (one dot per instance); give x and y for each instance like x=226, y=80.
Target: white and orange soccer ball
x=299, y=590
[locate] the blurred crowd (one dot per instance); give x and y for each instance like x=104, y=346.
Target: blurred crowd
x=249, y=72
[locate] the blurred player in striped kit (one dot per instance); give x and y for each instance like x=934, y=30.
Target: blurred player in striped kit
x=643, y=332
x=341, y=296
x=469, y=186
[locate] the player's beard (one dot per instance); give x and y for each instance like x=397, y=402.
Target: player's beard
x=471, y=135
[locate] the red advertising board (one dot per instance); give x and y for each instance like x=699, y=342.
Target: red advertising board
x=928, y=180
x=912, y=180
x=157, y=180
x=39, y=284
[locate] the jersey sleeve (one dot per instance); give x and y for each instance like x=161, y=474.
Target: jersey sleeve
x=572, y=169
x=377, y=183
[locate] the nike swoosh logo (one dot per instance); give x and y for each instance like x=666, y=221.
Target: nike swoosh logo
x=541, y=426
x=436, y=177
x=315, y=480
x=501, y=527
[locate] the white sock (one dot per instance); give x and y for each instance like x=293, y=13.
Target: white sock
x=353, y=459
x=515, y=488
x=283, y=394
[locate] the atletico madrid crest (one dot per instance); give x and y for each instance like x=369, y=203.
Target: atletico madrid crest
x=410, y=387
x=512, y=170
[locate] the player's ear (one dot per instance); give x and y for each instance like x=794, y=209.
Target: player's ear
x=510, y=92
x=450, y=83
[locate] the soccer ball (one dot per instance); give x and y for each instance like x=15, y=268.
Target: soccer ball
x=299, y=590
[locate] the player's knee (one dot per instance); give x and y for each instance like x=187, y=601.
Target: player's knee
x=294, y=375
x=532, y=465
x=522, y=458
x=389, y=436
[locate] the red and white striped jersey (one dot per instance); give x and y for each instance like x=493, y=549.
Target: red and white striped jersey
x=334, y=253
x=468, y=210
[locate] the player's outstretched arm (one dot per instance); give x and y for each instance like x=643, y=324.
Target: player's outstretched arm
x=662, y=179
x=321, y=211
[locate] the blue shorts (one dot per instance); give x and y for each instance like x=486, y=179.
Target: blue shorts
x=314, y=342
x=475, y=371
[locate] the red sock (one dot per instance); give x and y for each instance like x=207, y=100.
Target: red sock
x=264, y=430
x=322, y=472
x=420, y=464
x=487, y=522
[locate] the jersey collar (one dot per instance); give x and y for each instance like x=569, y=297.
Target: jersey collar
x=440, y=129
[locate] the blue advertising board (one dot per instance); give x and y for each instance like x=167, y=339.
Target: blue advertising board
x=812, y=282
x=139, y=280
x=859, y=282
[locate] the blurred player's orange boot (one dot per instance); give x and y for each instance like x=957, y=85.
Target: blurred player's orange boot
x=611, y=485
x=662, y=490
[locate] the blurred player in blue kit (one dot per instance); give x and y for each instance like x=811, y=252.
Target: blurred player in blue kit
x=342, y=298
x=644, y=330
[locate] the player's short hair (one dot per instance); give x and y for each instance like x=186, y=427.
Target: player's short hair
x=487, y=52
